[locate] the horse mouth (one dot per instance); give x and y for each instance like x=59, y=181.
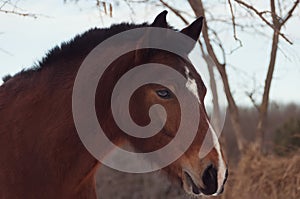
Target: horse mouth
x=190, y=186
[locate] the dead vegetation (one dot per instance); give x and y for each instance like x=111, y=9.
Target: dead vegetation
x=265, y=177
x=256, y=176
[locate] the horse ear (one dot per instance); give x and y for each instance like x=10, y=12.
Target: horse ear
x=194, y=29
x=161, y=20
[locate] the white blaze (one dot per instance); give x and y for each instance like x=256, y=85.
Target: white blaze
x=192, y=86
x=221, y=163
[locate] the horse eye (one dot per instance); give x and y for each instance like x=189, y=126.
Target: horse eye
x=165, y=94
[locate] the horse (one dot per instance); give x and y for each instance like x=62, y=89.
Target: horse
x=41, y=153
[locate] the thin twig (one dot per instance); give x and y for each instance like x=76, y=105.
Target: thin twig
x=233, y=20
x=280, y=8
x=219, y=43
x=250, y=95
x=260, y=15
x=129, y=6
x=4, y=3
x=6, y=52
x=234, y=26
x=14, y=9
x=175, y=11
x=290, y=13
x=19, y=13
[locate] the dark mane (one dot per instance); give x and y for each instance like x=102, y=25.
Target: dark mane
x=6, y=78
x=79, y=46
x=85, y=42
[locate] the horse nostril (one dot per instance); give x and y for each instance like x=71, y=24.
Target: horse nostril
x=190, y=181
x=210, y=180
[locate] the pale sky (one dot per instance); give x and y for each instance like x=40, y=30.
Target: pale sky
x=24, y=41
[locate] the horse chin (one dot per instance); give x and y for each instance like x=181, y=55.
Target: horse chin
x=190, y=186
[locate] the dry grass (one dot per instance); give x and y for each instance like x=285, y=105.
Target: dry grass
x=256, y=176
x=265, y=177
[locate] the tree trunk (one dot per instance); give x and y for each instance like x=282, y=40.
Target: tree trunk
x=198, y=9
x=261, y=125
x=263, y=109
x=213, y=86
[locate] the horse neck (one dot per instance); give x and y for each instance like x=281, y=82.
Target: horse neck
x=73, y=159
x=46, y=152
x=40, y=143
x=78, y=165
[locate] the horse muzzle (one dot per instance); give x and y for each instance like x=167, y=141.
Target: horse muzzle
x=205, y=184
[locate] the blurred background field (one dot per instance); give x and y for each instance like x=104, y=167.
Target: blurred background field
x=276, y=175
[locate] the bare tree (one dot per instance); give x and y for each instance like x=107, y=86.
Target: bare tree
x=198, y=8
x=210, y=67
x=278, y=20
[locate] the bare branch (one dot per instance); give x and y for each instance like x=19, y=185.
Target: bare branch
x=233, y=21
x=6, y=52
x=102, y=4
x=129, y=6
x=290, y=13
x=110, y=10
x=104, y=7
x=19, y=13
x=4, y=3
x=250, y=95
x=197, y=6
x=218, y=42
x=280, y=8
x=175, y=11
x=276, y=23
x=263, y=109
x=260, y=15
x=15, y=10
